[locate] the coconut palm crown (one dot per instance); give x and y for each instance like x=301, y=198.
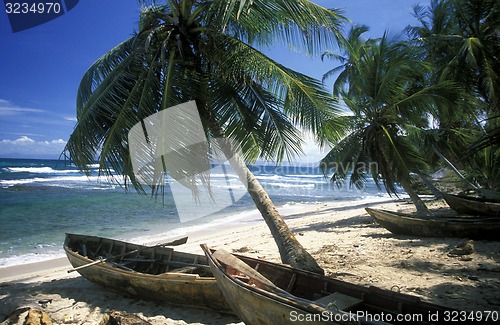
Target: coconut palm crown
x=383, y=83
x=208, y=51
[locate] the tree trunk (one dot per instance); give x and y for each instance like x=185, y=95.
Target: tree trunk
x=422, y=209
x=291, y=251
x=437, y=193
x=457, y=172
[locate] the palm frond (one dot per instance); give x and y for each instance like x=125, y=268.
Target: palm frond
x=303, y=99
x=204, y=51
x=299, y=24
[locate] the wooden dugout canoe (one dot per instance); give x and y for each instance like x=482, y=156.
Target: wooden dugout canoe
x=158, y=273
x=460, y=227
x=472, y=206
x=265, y=293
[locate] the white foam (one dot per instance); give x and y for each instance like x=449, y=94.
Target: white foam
x=30, y=258
x=289, y=185
x=271, y=177
x=40, y=170
x=306, y=176
x=83, y=178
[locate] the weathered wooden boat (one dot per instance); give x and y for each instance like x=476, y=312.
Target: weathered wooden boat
x=460, y=227
x=488, y=194
x=265, y=293
x=160, y=273
x=472, y=205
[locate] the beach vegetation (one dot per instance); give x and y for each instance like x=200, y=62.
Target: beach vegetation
x=210, y=52
x=421, y=102
x=383, y=83
x=461, y=40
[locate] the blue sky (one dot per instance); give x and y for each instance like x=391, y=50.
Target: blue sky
x=40, y=68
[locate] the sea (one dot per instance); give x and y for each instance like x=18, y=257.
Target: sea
x=41, y=200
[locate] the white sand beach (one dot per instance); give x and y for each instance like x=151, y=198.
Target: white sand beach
x=346, y=242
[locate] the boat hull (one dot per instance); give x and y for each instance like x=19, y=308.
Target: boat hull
x=176, y=288
x=472, y=206
x=405, y=224
x=256, y=309
x=291, y=296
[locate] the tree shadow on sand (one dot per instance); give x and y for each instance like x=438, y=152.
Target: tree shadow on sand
x=331, y=210
x=338, y=225
x=64, y=296
x=468, y=296
x=470, y=279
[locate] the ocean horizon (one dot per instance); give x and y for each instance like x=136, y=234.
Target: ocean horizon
x=41, y=200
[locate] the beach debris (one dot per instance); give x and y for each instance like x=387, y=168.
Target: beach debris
x=28, y=316
x=122, y=318
x=44, y=302
x=244, y=249
x=465, y=248
x=68, y=319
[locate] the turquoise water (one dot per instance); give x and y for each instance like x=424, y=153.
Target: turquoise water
x=41, y=200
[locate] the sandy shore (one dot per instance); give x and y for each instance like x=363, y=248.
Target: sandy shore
x=340, y=235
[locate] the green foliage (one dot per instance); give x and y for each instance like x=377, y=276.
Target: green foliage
x=461, y=40
x=382, y=82
x=207, y=51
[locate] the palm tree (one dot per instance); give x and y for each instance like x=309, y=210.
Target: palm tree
x=207, y=51
x=461, y=41
x=477, y=61
x=385, y=92
x=437, y=23
x=435, y=34
x=355, y=48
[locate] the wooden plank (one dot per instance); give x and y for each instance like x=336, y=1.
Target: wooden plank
x=231, y=260
x=340, y=300
x=168, y=263
x=124, y=253
x=121, y=266
x=291, y=284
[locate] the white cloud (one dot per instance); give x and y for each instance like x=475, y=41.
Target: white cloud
x=24, y=146
x=9, y=109
x=24, y=140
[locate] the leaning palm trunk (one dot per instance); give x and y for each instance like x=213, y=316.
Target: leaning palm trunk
x=422, y=209
x=203, y=51
x=428, y=183
x=291, y=251
x=455, y=169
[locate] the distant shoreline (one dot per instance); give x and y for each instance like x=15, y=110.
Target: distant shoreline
x=44, y=199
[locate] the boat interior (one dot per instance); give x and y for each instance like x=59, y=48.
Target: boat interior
x=136, y=258
x=322, y=291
